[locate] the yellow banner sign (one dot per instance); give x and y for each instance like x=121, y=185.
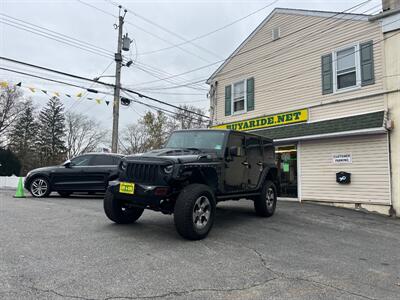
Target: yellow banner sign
x=267, y=121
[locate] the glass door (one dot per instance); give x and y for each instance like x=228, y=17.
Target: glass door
x=286, y=161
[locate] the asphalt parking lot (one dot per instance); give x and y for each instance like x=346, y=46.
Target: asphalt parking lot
x=59, y=248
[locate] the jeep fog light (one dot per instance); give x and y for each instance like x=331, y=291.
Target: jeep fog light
x=168, y=169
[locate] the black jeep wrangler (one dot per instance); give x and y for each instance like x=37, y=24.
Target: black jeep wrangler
x=195, y=170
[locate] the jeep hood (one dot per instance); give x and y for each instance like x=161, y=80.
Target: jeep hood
x=172, y=155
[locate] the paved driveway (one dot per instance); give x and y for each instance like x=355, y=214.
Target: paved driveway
x=66, y=249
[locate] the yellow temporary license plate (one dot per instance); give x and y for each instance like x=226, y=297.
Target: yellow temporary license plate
x=127, y=188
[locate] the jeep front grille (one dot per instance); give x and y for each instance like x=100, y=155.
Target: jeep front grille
x=143, y=173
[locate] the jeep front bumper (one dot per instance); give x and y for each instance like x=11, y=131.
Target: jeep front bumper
x=143, y=195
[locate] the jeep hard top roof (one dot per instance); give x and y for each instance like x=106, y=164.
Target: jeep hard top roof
x=225, y=130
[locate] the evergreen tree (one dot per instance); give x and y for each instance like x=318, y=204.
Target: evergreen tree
x=50, y=143
x=23, y=137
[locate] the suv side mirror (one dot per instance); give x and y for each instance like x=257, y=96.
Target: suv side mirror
x=235, y=151
x=67, y=164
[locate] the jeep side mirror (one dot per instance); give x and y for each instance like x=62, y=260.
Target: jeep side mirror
x=67, y=164
x=235, y=151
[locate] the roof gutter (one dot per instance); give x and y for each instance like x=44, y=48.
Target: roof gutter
x=384, y=14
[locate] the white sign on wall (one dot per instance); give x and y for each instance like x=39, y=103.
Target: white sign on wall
x=344, y=158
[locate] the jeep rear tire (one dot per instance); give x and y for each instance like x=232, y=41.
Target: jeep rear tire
x=194, y=211
x=117, y=213
x=265, y=203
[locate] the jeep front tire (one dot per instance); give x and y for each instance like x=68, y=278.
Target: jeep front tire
x=265, y=203
x=194, y=211
x=117, y=213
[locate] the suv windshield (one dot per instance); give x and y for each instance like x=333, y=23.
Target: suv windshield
x=197, y=139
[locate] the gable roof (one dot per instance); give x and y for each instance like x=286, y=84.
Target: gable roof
x=288, y=11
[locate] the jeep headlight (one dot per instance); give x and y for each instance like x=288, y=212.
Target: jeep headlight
x=168, y=169
x=123, y=165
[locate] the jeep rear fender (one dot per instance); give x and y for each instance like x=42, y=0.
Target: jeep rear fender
x=270, y=173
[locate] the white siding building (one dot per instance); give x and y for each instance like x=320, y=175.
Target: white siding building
x=316, y=83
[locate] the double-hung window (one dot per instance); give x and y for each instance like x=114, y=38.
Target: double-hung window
x=239, y=97
x=347, y=68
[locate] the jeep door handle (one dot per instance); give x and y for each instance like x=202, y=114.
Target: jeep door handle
x=245, y=163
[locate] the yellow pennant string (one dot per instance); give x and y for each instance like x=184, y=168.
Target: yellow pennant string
x=4, y=84
x=57, y=94
x=98, y=101
x=32, y=89
x=79, y=95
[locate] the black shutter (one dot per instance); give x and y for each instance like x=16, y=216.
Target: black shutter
x=326, y=74
x=367, y=63
x=250, y=94
x=228, y=100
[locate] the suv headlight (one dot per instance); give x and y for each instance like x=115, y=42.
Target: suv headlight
x=168, y=169
x=123, y=165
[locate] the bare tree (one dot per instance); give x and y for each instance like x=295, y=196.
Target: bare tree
x=82, y=134
x=10, y=108
x=184, y=119
x=134, y=139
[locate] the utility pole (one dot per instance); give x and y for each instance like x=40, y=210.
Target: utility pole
x=118, y=61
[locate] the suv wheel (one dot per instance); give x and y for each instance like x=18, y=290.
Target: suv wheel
x=119, y=214
x=194, y=211
x=265, y=204
x=39, y=187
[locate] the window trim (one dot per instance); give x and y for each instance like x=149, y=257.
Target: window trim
x=357, y=67
x=244, y=81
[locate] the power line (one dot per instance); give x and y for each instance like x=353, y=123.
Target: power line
x=210, y=32
x=163, y=73
x=165, y=110
x=102, y=83
x=55, y=71
x=174, y=84
x=287, y=47
x=76, y=104
x=279, y=53
x=61, y=35
x=259, y=46
x=140, y=28
x=55, y=80
x=53, y=38
x=174, y=33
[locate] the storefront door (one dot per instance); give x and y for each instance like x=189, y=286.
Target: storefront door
x=286, y=161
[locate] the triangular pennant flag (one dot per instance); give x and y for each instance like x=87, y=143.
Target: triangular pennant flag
x=69, y=96
x=57, y=94
x=44, y=92
x=4, y=84
x=107, y=102
x=32, y=89
x=79, y=95
x=98, y=101
x=19, y=84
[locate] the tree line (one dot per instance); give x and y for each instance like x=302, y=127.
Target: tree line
x=32, y=137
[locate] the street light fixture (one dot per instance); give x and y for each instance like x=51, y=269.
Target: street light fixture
x=97, y=78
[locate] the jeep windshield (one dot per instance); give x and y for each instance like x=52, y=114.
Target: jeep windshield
x=193, y=140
